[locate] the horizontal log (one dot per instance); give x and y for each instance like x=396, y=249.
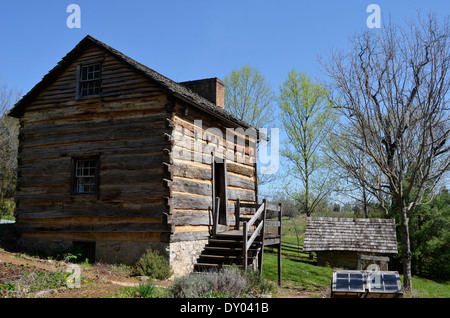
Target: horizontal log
x=245, y=170
x=130, y=177
x=134, y=161
x=142, y=145
x=187, y=201
x=90, y=207
x=49, y=166
x=192, y=186
x=98, y=236
x=91, y=108
x=44, y=180
x=195, y=138
x=144, y=191
x=93, y=227
x=191, y=218
x=240, y=181
x=106, y=119
x=100, y=133
x=243, y=194
x=42, y=195
x=187, y=120
x=190, y=170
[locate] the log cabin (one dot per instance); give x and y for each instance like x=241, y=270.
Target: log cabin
x=116, y=158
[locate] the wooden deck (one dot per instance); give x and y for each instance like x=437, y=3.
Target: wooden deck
x=269, y=239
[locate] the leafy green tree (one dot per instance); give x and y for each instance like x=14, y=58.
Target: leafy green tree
x=249, y=96
x=430, y=237
x=307, y=118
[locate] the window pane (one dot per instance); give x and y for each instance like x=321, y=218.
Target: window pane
x=85, y=174
x=90, y=80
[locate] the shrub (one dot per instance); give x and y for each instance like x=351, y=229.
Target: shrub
x=33, y=282
x=228, y=282
x=154, y=265
x=144, y=290
x=7, y=209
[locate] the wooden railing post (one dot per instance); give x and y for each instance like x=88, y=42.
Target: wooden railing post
x=244, y=246
x=280, y=216
x=237, y=214
x=261, y=252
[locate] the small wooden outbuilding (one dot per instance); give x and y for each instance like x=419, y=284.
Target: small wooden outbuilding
x=116, y=158
x=349, y=243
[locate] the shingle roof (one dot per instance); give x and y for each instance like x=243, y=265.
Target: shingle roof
x=174, y=88
x=347, y=234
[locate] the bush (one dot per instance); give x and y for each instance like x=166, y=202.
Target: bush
x=154, y=265
x=228, y=282
x=7, y=209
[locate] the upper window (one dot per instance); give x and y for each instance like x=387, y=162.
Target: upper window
x=90, y=80
x=86, y=180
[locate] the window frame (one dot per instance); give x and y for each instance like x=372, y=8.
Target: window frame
x=81, y=81
x=74, y=177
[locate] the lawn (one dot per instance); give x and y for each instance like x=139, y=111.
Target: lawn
x=303, y=275
x=300, y=273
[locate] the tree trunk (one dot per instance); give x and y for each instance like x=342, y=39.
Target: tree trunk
x=365, y=203
x=406, y=248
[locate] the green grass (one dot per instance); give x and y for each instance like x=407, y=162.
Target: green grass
x=303, y=274
x=296, y=273
x=306, y=276
x=426, y=288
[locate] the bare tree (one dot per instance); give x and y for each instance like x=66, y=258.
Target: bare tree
x=393, y=90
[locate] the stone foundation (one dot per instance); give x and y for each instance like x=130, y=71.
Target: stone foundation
x=183, y=256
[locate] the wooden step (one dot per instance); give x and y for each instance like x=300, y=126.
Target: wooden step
x=203, y=267
x=226, y=250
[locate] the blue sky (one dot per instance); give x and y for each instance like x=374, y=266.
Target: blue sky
x=191, y=39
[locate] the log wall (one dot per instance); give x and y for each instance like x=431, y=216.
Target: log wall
x=125, y=128
x=191, y=186
x=154, y=188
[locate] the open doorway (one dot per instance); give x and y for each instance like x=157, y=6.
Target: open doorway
x=219, y=174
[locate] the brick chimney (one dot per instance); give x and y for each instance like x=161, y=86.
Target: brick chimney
x=213, y=89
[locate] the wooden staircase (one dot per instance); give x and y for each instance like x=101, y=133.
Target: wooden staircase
x=224, y=250
x=243, y=245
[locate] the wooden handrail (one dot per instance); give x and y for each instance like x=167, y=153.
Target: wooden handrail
x=247, y=242
x=248, y=222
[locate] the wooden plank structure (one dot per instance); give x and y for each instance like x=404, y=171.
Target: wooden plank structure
x=244, y=245
x=113, y=153
x=339, y=241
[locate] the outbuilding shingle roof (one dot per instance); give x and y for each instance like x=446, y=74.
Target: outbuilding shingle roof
x=347, y=234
